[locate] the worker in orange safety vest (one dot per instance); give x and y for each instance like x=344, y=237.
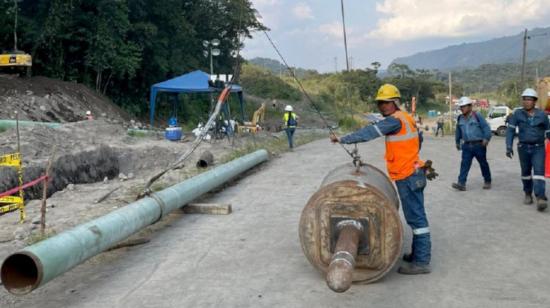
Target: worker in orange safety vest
x=403, y=143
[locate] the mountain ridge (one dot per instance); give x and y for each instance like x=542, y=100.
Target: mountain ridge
x=506, y=49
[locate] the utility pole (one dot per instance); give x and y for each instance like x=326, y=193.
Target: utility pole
x=335, y=65
x=345, y=35
x=350, y=63
x=451, y=101
x=347, y=57
x=524, y=56
x=15, y=25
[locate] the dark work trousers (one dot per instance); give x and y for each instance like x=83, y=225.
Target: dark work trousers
x=531, y=159
x=290, y=135
x=411, y=193
x=469, y=151
x=439, y=127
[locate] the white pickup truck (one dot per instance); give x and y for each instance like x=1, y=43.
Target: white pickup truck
x=497, y=119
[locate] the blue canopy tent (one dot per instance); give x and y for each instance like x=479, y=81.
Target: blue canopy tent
x=194, y=82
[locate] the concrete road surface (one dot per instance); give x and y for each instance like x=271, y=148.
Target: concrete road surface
x=489, y=250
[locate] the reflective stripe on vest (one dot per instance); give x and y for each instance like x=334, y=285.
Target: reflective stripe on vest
x=409, y=133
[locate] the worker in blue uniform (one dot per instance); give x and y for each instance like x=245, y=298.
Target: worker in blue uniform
x=533, y=128
x=472, y=137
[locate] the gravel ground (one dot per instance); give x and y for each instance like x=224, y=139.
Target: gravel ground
x=489, y=250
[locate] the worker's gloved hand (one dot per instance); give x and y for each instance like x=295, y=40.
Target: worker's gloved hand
x=334, y=138
x=458, y=147
x=510, y=153
x=484, y=142
x=429, y=170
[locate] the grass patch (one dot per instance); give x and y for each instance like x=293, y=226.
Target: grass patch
x=349, y=124
x=142, y=133
x=277, y=145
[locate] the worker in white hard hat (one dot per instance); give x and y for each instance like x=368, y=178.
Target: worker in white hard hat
x=533, y=127
x=290, y=123
x=472, y=137
x=89, y=115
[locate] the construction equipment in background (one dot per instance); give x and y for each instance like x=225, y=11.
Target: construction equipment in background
x=257, y=118
x=16, y=61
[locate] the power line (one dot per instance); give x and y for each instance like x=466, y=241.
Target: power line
x=306, y=94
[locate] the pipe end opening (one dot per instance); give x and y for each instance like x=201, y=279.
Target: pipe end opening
x=20, y=273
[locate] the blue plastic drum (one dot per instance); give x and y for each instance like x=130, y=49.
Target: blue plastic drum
x=173, y=133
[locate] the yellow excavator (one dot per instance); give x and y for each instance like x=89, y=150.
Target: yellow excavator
x=257, y=118
x=15, y=61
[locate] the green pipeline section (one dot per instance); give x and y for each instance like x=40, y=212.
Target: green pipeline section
x=6, y=124
x=35, y=265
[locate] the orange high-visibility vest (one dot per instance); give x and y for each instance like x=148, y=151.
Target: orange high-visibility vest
x=402, y=149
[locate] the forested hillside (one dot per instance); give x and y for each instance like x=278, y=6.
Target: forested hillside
x=470, y=55
x=121, y=48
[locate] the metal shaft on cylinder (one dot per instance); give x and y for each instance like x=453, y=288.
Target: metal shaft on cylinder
x=340, y=270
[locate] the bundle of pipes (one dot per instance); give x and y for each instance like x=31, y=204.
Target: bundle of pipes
x=350, y=228
x=35, y=265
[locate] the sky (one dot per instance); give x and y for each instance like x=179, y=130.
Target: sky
x=309, y=32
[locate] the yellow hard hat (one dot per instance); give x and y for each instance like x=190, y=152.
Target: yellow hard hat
x=387, y=92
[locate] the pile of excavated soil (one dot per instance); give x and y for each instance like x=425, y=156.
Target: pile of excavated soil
x=86, y=152
x=49, y=100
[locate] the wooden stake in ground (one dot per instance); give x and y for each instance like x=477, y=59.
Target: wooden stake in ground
x=105, y=196
x=45, y=193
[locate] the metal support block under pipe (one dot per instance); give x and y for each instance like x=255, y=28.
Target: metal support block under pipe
x=35, y=265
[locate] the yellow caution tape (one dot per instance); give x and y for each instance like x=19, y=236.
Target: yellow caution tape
x=11, y=199
x=11, y=160
x=9, y=208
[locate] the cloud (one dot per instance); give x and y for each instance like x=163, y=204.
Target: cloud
x=332, y=30
x=268, y=12
x=302, y=11
x=412, y=19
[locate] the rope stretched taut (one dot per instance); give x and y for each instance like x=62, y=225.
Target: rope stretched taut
x=353, y=154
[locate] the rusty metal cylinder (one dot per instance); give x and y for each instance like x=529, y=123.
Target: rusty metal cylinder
x=206, y=160
x=350, y=229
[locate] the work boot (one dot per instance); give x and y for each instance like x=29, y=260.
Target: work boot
x=541, y=204
x=528, y=199
x=408, y=257
x=459, y=186
x=414, y=269
x=487, y=185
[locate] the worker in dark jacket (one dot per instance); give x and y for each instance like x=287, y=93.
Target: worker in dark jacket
x=474, y=133
x=533, y=128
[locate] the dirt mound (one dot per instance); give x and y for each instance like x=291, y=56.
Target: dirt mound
x=48, y=100
x=86, y=152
